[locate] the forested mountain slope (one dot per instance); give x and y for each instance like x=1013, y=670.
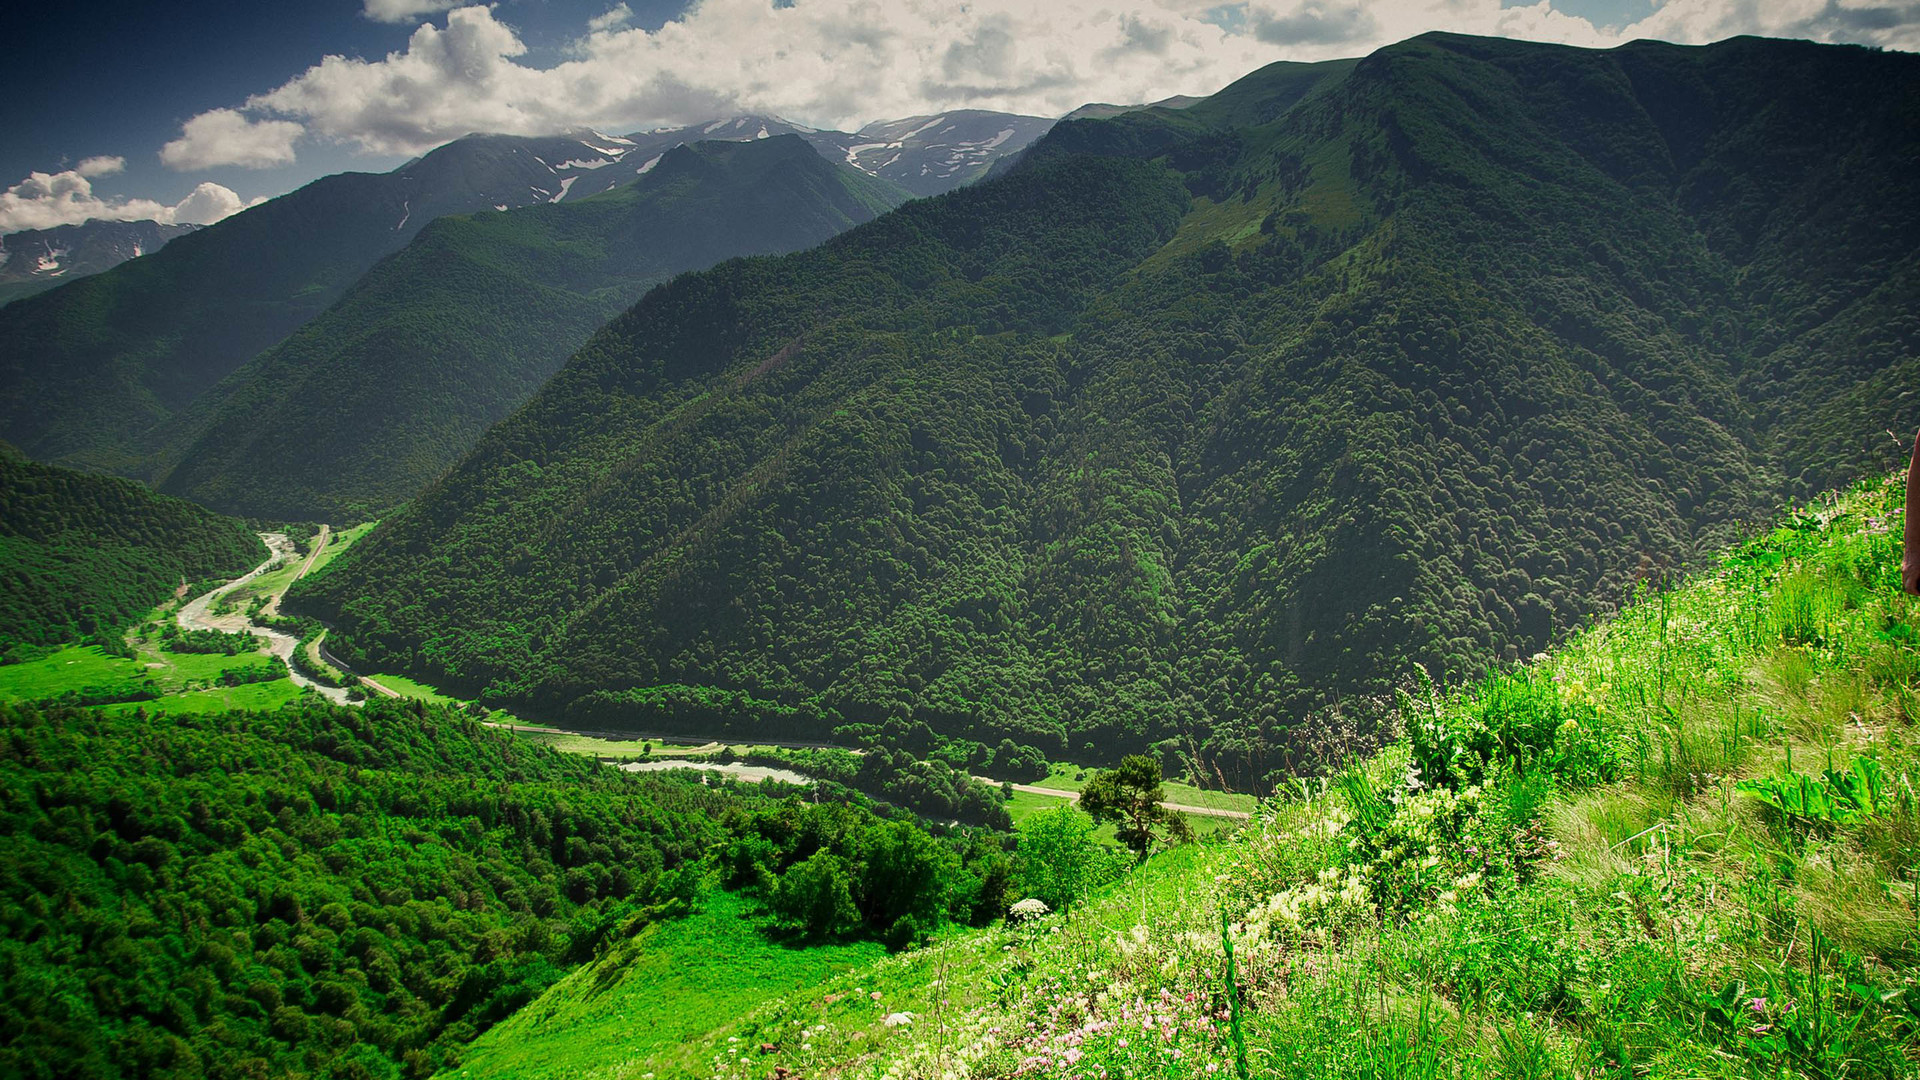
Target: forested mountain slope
x=372, y=400
x=1199, y=426
x=86, y=368
x=82, y=555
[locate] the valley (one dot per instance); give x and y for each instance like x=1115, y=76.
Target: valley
x=1391, y=568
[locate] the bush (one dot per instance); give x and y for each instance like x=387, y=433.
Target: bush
x=1058, y=862
x=1518, y=719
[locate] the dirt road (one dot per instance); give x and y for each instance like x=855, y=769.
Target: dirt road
x=319, y=545
x=1074, y=796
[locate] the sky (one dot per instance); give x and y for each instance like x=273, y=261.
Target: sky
x=194, y=109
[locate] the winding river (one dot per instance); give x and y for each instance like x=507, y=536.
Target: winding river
x=197, y=614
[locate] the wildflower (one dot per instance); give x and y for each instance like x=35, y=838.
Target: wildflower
x=1758, y=1005
x=899, y=1019
x=875, y=995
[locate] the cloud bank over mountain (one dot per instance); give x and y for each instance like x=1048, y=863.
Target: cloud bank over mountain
x=841, y=63
x=44, y=200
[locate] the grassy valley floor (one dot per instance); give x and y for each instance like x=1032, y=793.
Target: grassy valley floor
x=178, y=682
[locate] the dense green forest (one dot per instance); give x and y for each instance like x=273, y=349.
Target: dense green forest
x=81, y=555
x=1195, y=429
x=372, y=400
x=359, y=892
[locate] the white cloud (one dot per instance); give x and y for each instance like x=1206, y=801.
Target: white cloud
x=615, y=17
x=841, y=63
x=1893, y=24
x=208, y=203
x=393, y=11
x=225, y=137
x=44, y=200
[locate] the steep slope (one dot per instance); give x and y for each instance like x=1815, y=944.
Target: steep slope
x=35, y=260
x=1449, y=349
x=371, y=401
x=926, y=155
x=88, y=372
x=82, y=555
x=85, y=368
x=931, y=155
x=1610, y=875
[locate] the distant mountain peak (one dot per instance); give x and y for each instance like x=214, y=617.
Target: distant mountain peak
x=36, y=260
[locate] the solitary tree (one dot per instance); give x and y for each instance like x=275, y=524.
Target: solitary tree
x=1129, y=796
x=1057, y=860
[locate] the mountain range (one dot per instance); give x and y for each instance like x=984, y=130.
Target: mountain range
x=374, y=398
x=35, y=260
x=100, y=373
x=1198, y=428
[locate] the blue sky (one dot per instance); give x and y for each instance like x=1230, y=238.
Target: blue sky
x=119, y=77
x=230, y=101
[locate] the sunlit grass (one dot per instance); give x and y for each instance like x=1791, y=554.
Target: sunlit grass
x=340, y=542
x=71, y=668
x=659, y=1003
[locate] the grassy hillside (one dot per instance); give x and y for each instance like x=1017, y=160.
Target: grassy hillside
x=658, y=997
x=1683, y=844
x=1198, y=427
x=82, y=556
x=372, y=400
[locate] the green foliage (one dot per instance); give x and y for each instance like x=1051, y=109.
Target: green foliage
x=932, y=788
x=1058, y=861
x=1517, y=719
x=206, y=641
x=1841, y=798
x=95, y=372
x=1198, y=429
x=330, y=890
x=815, y=897
x=655, y=1002
x=1130, y=797
x=833, y=870
x=82, y=556
x=245, y=890
x=1533, y=924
